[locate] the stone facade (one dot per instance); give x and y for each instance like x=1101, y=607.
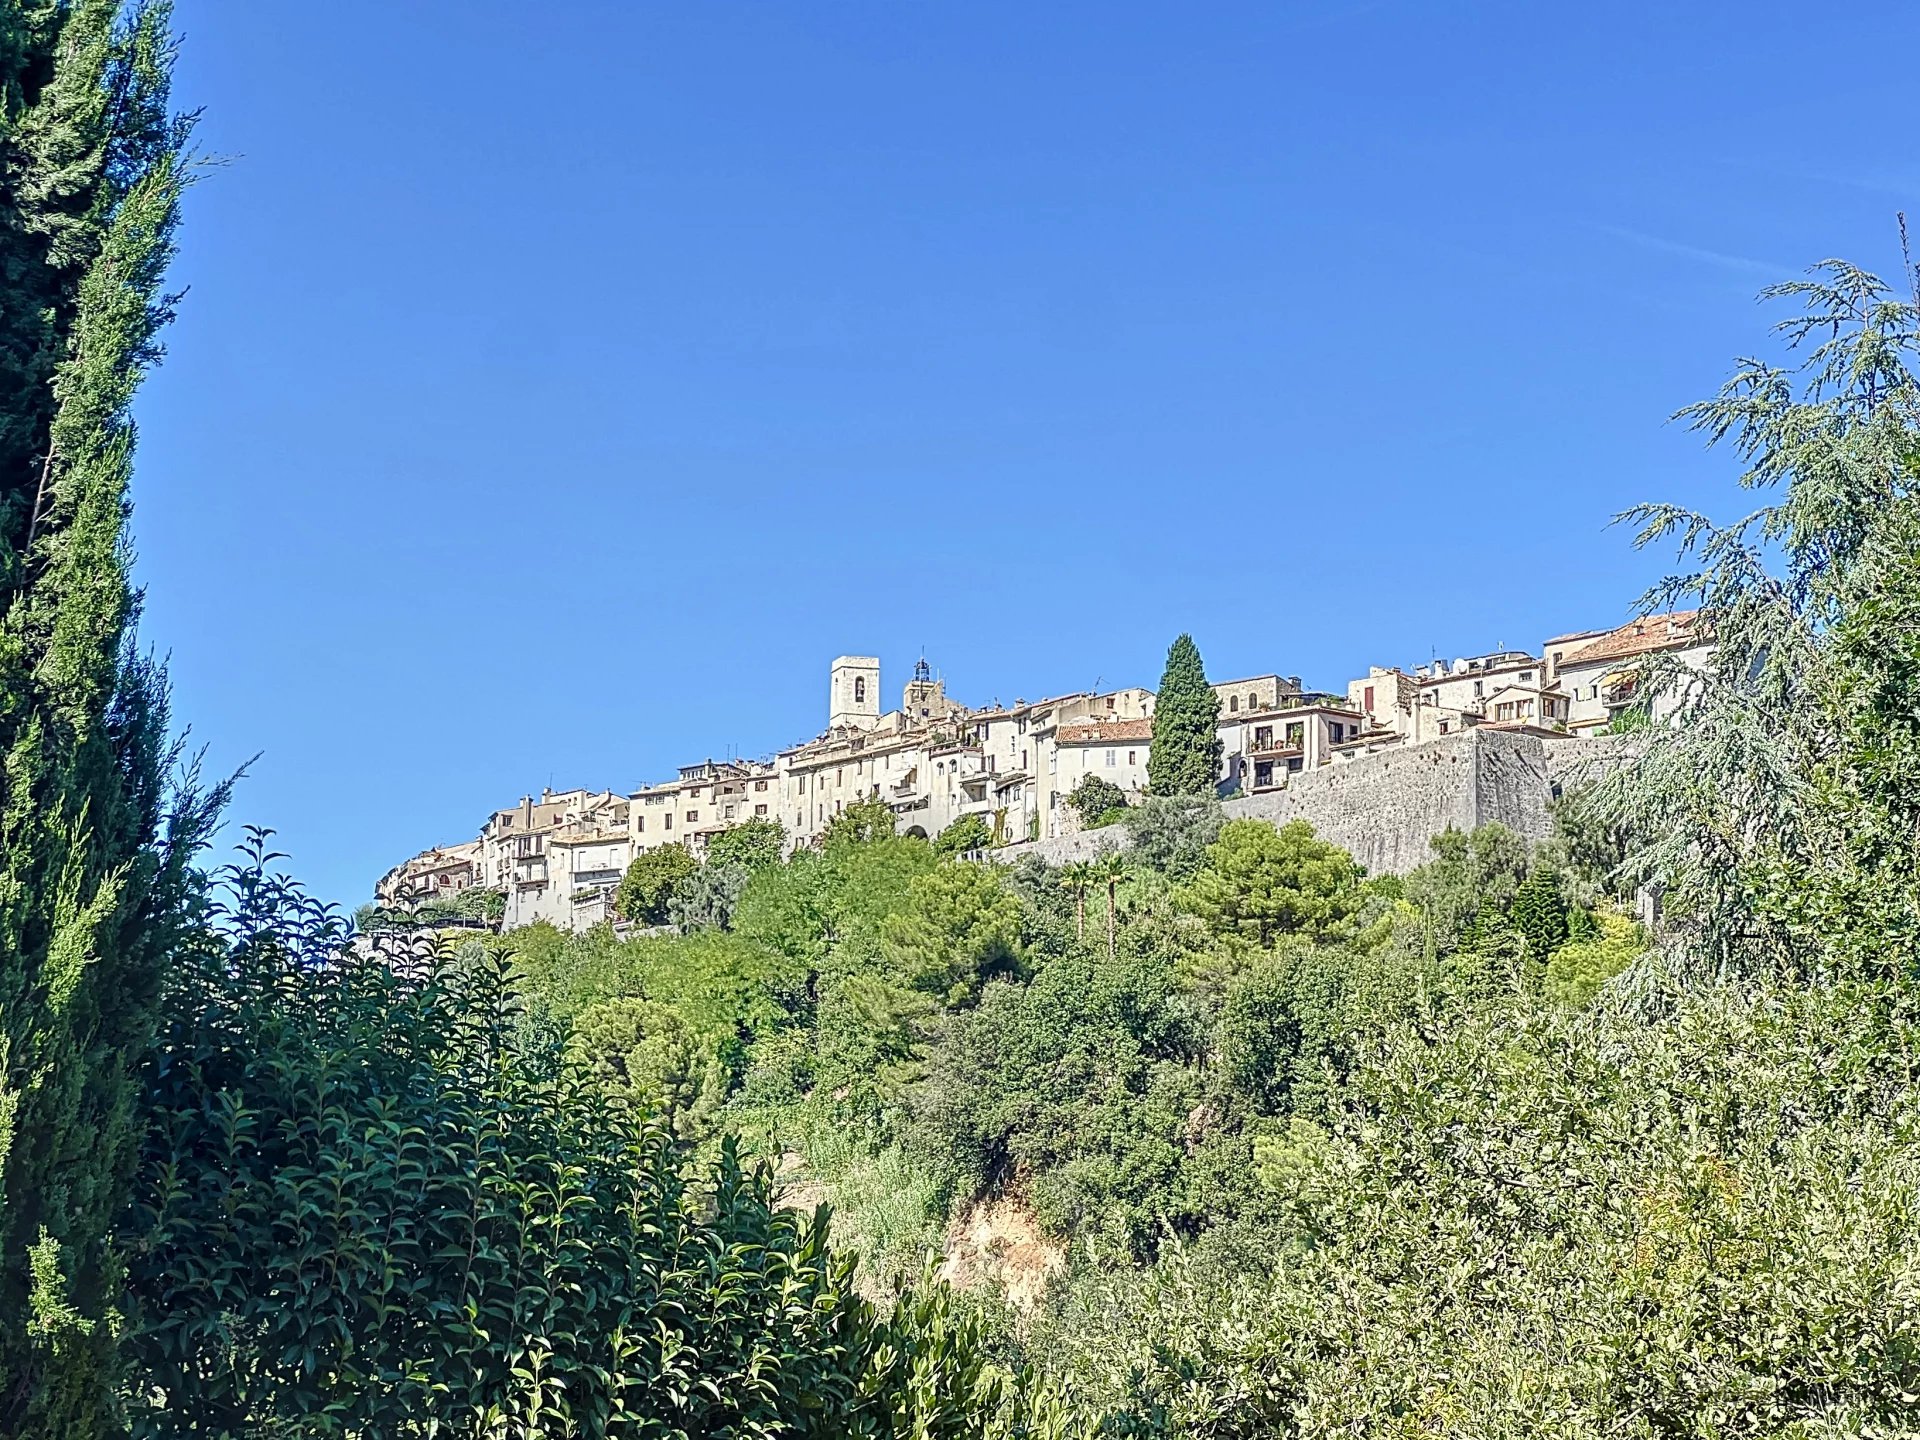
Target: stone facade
x=1381, y=770
x=1386, y=808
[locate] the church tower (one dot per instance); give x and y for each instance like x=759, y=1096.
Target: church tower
x=854, y=694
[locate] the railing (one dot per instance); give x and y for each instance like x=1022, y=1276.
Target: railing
x=1270, y=746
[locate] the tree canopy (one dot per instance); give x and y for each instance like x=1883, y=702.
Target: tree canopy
x=653, y=880
x=1185, y=755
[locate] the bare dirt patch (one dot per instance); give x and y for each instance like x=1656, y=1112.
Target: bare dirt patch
x=997, y=1241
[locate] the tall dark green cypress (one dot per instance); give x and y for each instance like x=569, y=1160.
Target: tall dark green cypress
x=1185, y=758
x=94, y=882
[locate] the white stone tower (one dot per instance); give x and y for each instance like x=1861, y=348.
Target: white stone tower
x=854, y=696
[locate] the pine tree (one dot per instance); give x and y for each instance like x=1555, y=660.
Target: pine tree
x=1185, y=758
x=1539, y=913
x=92, y=898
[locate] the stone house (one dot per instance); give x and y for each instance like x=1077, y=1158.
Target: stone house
x=436, y=874
x=1112, y=750
x=1601, y=677
x=1300, y=734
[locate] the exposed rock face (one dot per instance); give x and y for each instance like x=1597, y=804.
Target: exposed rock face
x=998, y=1242
x=1385, y=808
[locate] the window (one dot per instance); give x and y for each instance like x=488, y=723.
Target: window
x=1130, y=759
x=1366, y=703
x=1263, y=773
x=1479, y=689
x=729, y=813
x=640, y=825
x=759, y=785
x=669, y=820
x=1233, y=706
x=1110, y=760
x=859, y=689
x=759, y=809
x=1253, y=701
x=693, y=817
x=1526, y=677
x=1263, y=737
x=1109, y=702
x=1444, y=727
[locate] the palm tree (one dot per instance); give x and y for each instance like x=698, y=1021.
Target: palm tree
x=1111, y=869
x=1076, y=877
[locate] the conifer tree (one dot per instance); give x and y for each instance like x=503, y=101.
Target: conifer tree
x=1185, y=758
x=92, y=897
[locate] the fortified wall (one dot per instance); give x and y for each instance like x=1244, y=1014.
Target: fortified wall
x=1385, y=808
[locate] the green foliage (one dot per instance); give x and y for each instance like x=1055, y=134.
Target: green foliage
x=95, y=890
x=831, y=902
x=1464, y=892
x=861, y=823
x=960, y=924
x=1172, y=833
x=640, y=1054
x=1079, y=1082
x=479, y=903
x=752, y=845
x=1185, y=755
x=361, y=1201
x=963, y=836
x=1528, y=1226
x=1260, y=882
x=1578, y=969
x=1539, y=913
x=705, y=900
x=1762, y=811
x=1096, y=800
x=652, y=881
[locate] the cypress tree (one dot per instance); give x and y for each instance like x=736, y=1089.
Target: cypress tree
x=95, y=885
x=1185, y=757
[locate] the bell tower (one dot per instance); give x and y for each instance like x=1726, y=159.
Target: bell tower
x=853, y=696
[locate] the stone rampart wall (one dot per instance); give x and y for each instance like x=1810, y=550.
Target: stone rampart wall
x=1385, y=808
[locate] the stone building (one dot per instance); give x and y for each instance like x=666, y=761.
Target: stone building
x=1110, y=750
x=436, y=874
x=700, y=802
x=933, y=760
x=1273, y=745
x=518, y=856
x=1605, y=674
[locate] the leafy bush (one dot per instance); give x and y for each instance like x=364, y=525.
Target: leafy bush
x=1526, y=1226
x=1096, y=800
x=960, y=924
x=1260, y=882
x=968, y=833
x=365, y=1212
x=652, y=881
x=1578, y=969
x=752, y=845
x=1172, y=833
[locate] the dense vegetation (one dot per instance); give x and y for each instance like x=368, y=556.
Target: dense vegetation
x=94, y=892
x=1260, y=1144
x=1228, y=1137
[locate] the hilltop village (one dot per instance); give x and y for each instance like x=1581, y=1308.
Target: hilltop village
x=934, y=760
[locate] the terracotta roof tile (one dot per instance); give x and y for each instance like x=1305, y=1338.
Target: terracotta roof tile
x=1094, y=734
x=1639, y=637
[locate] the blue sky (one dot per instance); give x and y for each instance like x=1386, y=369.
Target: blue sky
x=560, y=387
